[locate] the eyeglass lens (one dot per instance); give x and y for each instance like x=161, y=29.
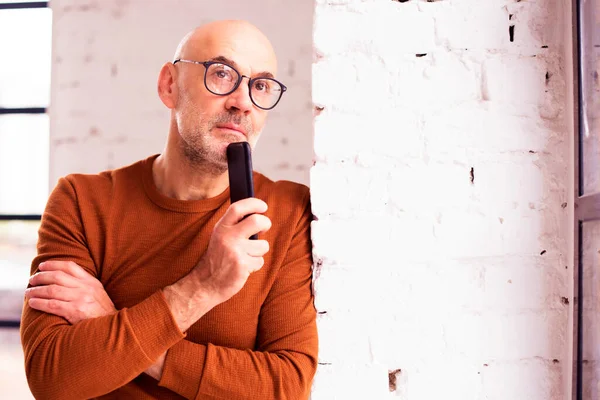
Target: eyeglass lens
x=221, y=79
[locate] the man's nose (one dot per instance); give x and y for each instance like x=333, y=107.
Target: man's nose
x=240, y=98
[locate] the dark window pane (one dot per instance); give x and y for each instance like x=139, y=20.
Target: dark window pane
x=23, y=163
x=25, y=55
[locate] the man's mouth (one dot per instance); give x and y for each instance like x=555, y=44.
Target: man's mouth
x=233, y=128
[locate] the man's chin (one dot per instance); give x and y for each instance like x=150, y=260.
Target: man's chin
x=222, y=145
x=219, y=153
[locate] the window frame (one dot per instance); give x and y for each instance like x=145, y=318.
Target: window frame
x=24, y=4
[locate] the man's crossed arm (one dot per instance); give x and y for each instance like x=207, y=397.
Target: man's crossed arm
x=65, y=289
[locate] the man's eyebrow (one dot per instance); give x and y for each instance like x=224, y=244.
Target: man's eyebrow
x=265, y=74
x=223, y=59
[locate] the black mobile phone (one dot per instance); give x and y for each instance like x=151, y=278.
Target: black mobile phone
x=239, y=162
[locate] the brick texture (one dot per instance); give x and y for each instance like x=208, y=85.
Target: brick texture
x=442, y=192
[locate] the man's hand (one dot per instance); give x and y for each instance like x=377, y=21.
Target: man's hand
x=225, y=266
x=231, y=256
x=65, y=289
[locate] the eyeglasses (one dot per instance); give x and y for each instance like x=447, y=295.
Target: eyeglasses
x=222, y=79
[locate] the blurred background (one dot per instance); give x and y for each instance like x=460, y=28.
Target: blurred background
x=78, y=94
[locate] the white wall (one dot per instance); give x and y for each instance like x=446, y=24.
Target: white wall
x=104, y=110
x=443, y=194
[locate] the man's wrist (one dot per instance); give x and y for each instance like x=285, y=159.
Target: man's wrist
x=156, y=369
x=188, y=301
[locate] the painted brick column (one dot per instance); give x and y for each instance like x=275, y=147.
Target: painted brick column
x=442, y=193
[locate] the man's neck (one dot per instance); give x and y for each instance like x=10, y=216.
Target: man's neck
x=176, y=178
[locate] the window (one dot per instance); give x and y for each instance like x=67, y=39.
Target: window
x=25, y=55
x=587, y=206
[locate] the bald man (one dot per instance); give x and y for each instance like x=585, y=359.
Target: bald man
x=146, y=284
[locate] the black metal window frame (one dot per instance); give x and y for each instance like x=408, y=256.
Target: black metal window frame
x=20, y=110
x=24, y=4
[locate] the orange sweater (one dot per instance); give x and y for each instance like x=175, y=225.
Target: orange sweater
x=260, y=344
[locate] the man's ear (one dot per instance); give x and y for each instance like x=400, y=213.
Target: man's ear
x=167, y=85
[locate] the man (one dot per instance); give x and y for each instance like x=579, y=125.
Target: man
x=146, y=284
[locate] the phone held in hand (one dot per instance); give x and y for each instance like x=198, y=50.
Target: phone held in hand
x=239, y=161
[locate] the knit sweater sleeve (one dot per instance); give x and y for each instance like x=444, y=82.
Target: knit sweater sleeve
x=95, y=356
x=285, y=358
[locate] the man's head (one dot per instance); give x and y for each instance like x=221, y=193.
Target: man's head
x=203, y=122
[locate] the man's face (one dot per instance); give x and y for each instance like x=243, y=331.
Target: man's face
x=207, y=122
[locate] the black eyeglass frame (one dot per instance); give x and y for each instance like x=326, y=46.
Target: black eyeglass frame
x=207, y=64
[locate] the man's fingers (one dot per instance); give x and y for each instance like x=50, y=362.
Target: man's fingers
x=56, y=307
x=256, y=264
x=238, y=210
x=52, y=292
x=255, y=223
x=68, y=267
x=257, y=248
x=53, y=278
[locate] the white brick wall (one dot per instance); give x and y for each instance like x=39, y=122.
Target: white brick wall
x=456, y=279
x=106, y=58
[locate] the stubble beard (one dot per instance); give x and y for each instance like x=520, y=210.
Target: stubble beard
x=202, y=150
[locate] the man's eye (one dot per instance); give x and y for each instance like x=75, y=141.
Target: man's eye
x=222, y=74
x=261, y=86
